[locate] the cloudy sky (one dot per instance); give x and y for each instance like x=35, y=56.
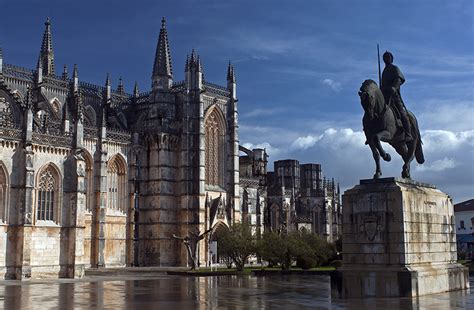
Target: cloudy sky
x=299, y=65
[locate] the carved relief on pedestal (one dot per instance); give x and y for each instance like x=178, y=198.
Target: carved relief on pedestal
x=370, y=214
x=370, y=226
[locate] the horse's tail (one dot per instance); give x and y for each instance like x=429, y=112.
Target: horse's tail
x=420, y=157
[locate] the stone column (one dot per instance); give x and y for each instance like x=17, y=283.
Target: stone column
x=73, y=225
x=26, y=217
x=100, y=207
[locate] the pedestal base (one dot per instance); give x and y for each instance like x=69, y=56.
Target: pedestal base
x=398, y=241
x=399, y=282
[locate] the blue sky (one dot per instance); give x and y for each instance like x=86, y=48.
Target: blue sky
x=299, y=65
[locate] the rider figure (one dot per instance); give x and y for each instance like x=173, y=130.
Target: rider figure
x=392, y=78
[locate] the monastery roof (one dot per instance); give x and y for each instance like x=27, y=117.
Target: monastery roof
x=467, y=205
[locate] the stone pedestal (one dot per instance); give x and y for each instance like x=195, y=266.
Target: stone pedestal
x=399, y=240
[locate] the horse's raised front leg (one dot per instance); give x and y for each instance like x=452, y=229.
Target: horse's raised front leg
x=382, y=136
x=375, y=154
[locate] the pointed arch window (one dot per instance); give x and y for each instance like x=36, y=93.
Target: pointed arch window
x=116, y=181
x=214, y=131
x=47, y=195
x=4, y=189
x=275, y=217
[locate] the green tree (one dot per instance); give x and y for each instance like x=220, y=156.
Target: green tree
x=237, y=244
x=305, y=248
x=283, y=249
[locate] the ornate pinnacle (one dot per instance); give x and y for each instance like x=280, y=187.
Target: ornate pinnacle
x=186, y=66
x=136, y=92
x=74, y=72
x=120, y=87
x=198, y=64
x=65, y=75
x=107, y=80
x=230, y=73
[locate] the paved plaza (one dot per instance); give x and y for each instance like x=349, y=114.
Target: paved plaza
x=160, y=291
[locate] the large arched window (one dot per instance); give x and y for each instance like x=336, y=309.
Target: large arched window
x=116, y=181
x=48, y=194
x=3, y=193
x=275, y=217
x=214, y=131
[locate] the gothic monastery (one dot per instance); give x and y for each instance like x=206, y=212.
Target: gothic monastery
x=92, y=176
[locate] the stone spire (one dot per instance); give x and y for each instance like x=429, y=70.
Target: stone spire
x=162, y=77
x=47, y=53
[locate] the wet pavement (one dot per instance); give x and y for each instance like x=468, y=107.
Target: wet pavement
x=220, y=292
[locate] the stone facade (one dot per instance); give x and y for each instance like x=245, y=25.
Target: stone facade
x=398, y=240
x=253, y=188
x=92, y=176
x=300, y=197
x=464, y=215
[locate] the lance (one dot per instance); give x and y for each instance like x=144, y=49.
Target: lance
x=378, y=58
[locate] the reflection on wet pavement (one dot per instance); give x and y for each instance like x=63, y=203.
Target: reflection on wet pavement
x=223, y=292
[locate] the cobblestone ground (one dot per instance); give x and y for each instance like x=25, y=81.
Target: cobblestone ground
x=156, y=291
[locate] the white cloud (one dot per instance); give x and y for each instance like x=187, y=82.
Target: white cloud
x=305, y=142
x=438, y=165
x=445, y=140
x=447, y=114
x=335, y=86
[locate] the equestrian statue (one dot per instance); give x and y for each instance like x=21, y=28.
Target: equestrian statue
x=387, y=119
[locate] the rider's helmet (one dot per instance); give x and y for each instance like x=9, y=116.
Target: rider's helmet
x=387, y=57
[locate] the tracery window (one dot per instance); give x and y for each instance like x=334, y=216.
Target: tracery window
x=47, y=195
x=3, y=194
x=214, y=148
x=116, y=185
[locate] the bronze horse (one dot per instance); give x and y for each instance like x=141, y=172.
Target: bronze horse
x=380, y=124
